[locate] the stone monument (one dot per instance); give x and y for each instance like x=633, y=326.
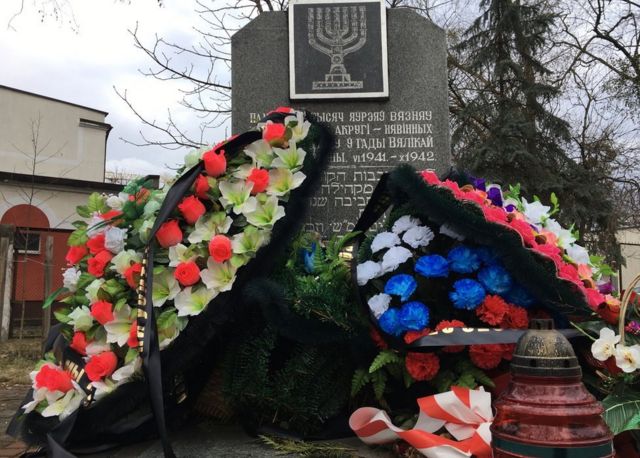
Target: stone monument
x=375, y=132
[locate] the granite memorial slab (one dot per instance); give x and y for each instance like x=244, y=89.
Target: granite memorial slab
x=372, y=135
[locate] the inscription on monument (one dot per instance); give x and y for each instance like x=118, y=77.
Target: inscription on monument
x=372, y=136
x=338, y=49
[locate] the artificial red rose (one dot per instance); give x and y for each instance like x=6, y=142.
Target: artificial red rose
x=492, y=310
x=191, y=209
x=486, y=356
x=75, y=254
x=451, y=324
x=132, y=341
x=515, y=318
x=609, y=312
x=169, y=234
x=53, y=379
x=494, y=214
x=525, y=230
x=132, y=275
x=97, y=263
x=412, y=336
x=214, y=162
x=96, y=244
x=430, y=177
x=101, y=366
x=79, y=342
x=201, y=187
x=220, y=248
x=282, y=110
x=377, y=339
x=111, y=214
x=102, y=311
x=422, y=366
x=274, y=133
x=140, y=197
x=260, y=180
x=187, y=273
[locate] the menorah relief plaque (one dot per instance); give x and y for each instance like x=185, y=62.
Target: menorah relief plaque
x=337, y=49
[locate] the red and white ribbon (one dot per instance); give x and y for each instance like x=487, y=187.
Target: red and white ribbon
x=465, y=414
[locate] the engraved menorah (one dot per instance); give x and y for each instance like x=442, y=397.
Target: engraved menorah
x=336, y=32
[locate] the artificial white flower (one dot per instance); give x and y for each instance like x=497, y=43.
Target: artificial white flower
x=366, y=271
x=301, y=128
x=579, y=254
x=151, y=207
x=70, y=278
x=179, y=253
x=92, y=290
x=118, y=328
x=114, y=239
x=404, y=223
x=193, y=157
x=123, y=260
x=379, y=304
x=218, y=276
x=116, y=202
x=243, y=171
x=192, y=301
x=165, y=288
x=535, y=212
x=394, y=257
x=96, y=347
x=266, y=214
x=238, y=195
x=604, y=347
x=209, y=225
x=81, y=318
x=565, y=237
x=384, y=240
x=628, y=358
x=250, y=240
x=102, y=388
x=145, y=229
x=291, y=158
x=64, y=406
x=125, y=372
x=418, y=236
x=282, y=181
x=447, y=230
x=261, y=152
x=511, y=201
x=96, y=225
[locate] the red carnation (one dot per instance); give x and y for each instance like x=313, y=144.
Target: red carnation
x=96, y=244
x=525, y=230
x=75, y=254
x=79, y=342
x=422, y=366
x=132, y=275
x=594, y=297
x=100, y=366
x=454, y=187
x=451, y=324
x=492, y=310
x=549, y=250
x=412, y=336
x=220, y=248
x=96, y=264
x=201, y=187
x=430, y=177
x=187, y=273
x=214, y=162
x=132, y=341
x=494, y=214
x=274, y=133
x=515, y=318
x=191, y=209
x=473, y=196
x=169, y=234
x=487, y=356
x=377, y=339
x=53, y=379
x=102, y=311
x=260, y=180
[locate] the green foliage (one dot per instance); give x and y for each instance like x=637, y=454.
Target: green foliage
x=285, y=446
x=53, y=296
x=78, y=237
x=622, y=411
x=385, y=357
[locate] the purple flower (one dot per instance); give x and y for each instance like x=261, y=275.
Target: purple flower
x=605, y=288
x=479, y=183
x=510, y=207
x=494, y=193
x=414, y=316
x=633, y=328
x=402, y=285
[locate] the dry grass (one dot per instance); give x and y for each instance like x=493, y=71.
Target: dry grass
x=17, y=358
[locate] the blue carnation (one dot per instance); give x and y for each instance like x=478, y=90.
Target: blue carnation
x=309, y=257
x=402, y=285
x=495, y=279
x=467, y=294
x=519, y=296
x=487, y=255
x=432, y=266
x=390, y=322
x=414, y=316
x=463, y=260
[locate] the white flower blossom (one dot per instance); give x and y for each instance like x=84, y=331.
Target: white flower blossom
x=70, y=278
x=192, y=301
x=116, y=202
x=81, y=318
x=178, y=254
x=125, y=372
x=579, y=254
x=114, y=239
x=165, y=287
x=218, y=276
x=64, y=406
x=118, y=328
x=379, y=304
x=604, y=347
x=418, y=236
x=384, y=240
x=92, y=290
x=628, y=358
x=123, y=260
x=404, y=223
x=301, y=129
x=96, y=225
x=447, y=230
x=366, y=271
x=394, y=257
x=96, y=347
x=565, y=237
x=535, y=212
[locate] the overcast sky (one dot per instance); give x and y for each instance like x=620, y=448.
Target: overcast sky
x=82, y=66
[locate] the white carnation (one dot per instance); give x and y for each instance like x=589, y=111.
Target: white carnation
x=367, y=271
x=394, y=257
x=447, y=230
x=70, y=278
x=384, y=240
x=404, y=223
x=114, y=239
x=379, y=304
x=418, y=236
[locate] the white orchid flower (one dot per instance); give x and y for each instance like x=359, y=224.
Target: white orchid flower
x=628, y=358
x=282, y=181
x=192, y=301
x=604, y=347
x=291, y=158
x=266, y=214
x=261, y=152
x=209, y=225
x=165, y=288
x=238, y=195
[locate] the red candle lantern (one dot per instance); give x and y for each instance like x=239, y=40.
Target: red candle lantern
x=546, y=411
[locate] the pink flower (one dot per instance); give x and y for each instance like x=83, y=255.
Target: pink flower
x=430, y=177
